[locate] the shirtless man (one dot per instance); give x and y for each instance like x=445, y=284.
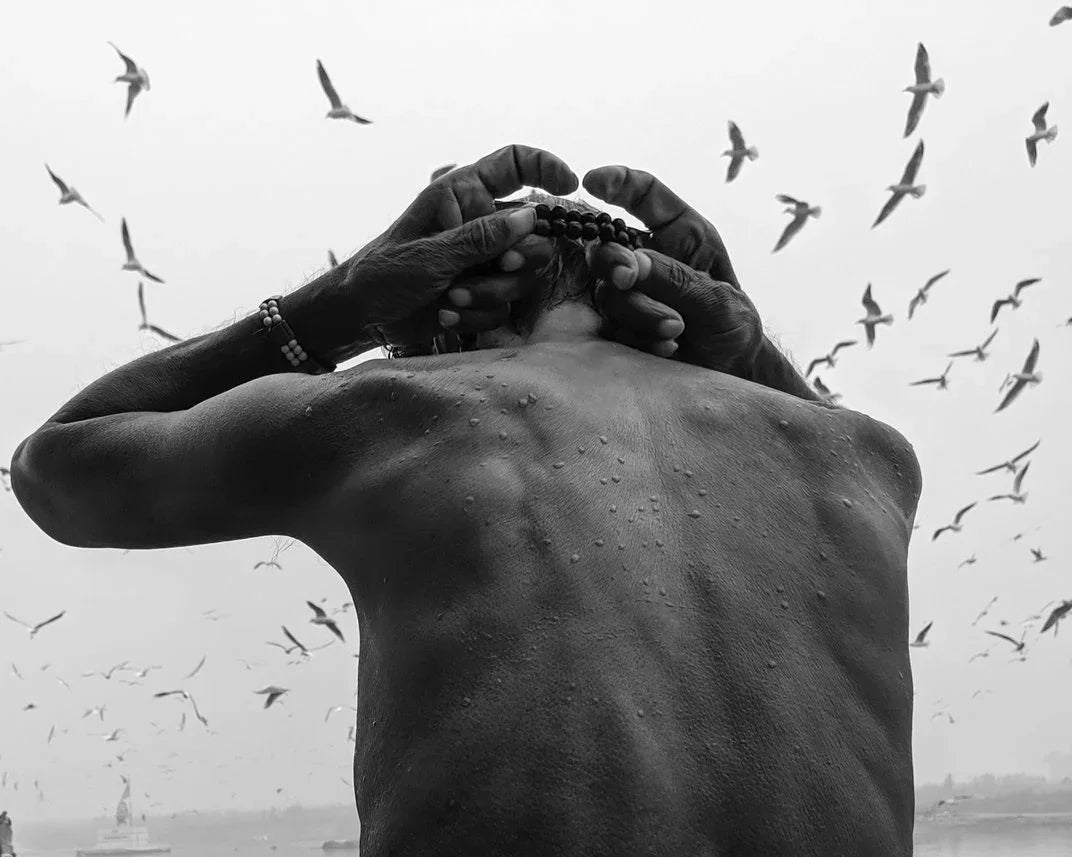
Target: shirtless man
x=609, y=603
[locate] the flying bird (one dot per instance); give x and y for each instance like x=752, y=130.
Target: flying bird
x=1021, y=379
x=1059, y=612
x=1018, y=644
x=828, y=358
x=979, y=351
x=107, y=674
x=132, y=264
x=921, y=640
x=923, y=87
x=1014, y=299
x=801, y=211
x=145, y=320
x=136, y=78
x=906, y=186
x=441, y=171
x=824, y=391
x=940, y=382
x=1038, y=555
x=1015, y=496
x=920, y=297
x=332, y=260
x=273, y=693
x=956, y=526
x=1041, y=133
x=985, y=611
x=188, y=697
x=33, y=629
x=335, y=708
x=1061, y=15
x=874, y=316
x=738, y=152
x=69, y=194
x=197, y=669
x=338, y=109
x=1010, y=465
x=98, y=710
x=322, y=618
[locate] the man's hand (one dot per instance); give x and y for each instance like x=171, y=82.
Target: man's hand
x=400, y=279
x=679, y=296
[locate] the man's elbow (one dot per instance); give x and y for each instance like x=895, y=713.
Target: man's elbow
x=39, y=492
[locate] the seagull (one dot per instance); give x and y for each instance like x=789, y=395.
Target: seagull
x=824, y=391
x=969, y=561
x=335, y=708
x=940, y=382
x=107, y=675
x=1018, y=644
x=338, y=109
x=145, y=321
x=1021, y=379
x=738, y=153
x=187, y=696
x=979, y=655
x=1013, y=299
x=1038, y=555
x=979, y=350
x=1010, y=465
x=332, y=260
x=956, y=526
x=69, y=194
x=920, y=297
x=132, y=264
x=905, y=186
x=1059, y=612
x=322, y=618
x=828, y=358
x=33, y=629
x=138, y=79
x=874, y=316
x=985, y=611
x=273, y=693
x=113, y=735
x=921, y=640
x=98, y=710
x=923, y=87
x=1015, y=496
x=5, y=478
x=441, y=171
x=1061, y=15
x=1041, y=133
x=15, y=671
x=801, y=211
x=197, y=669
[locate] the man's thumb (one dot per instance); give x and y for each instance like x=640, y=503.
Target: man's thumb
x=484, y=238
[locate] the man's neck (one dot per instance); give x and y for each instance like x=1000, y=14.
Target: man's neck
x=571, y=322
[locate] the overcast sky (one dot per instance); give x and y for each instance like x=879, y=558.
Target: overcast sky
x=235, y=186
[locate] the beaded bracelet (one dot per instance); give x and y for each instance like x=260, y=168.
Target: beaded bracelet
x=561, y=222
x=280, y=333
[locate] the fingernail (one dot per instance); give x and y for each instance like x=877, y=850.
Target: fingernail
x=666, y=348
x=460, y=297
x=668, y=328
x=511, y=260
x=622, y=277
x=447, y=318
x=522, y=220
x=643, y=266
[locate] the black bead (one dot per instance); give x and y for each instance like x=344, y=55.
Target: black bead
x=632, y=234
x=543, y=212
x=606, y=232
x=589, y=231
x=573, y=229
x=558, y=228
x=618, y=224
x=602, y=218
x=573, y=216
x=588, y=217
x=558, y=213
x=623, y=238
x=543, y=227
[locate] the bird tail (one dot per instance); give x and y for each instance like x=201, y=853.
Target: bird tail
x=815, y=211
x=1051, y=135
x=752, y=153
x=918, y=191
x=939, y=87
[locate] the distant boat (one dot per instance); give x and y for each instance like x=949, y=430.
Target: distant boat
x=341, y=845
x=124, y=838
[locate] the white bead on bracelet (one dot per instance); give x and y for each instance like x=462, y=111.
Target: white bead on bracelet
x=294, y=353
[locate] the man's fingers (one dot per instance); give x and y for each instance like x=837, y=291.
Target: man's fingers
x=612, y=262
x=474, y=320
x=473, y=243
x=679, y=230
x=649, y=319
x=514, y=167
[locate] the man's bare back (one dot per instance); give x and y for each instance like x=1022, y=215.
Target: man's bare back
x=614, y=604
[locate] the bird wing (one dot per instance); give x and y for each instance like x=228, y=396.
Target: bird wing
x=320, y=614
x=938, y=532
x=1032, y=359
x=1010, y=396
x=161, y=332
x=1061, y=15
x=1028, y=451
x=55, y=618
x=150, y=276
x=325, y=82
x=164, y=693
x=132, y=93
x=141, y=304
x=991, y=469
x=1023, y=284
x=869, y=302
x=963, y=512
x=988, y=340
x=17, y=620
x=132, y=68
x=294, y=640
x=925, y=381
x=844, y=344
x=814, y=363
x=736, y=137
x=1039, y=119
x=934, y=279
x=788, y=200
x=1056, y=616
x=820, y=386
x=923, y=65
x=912, y=304
x=1032, y=151
x=791, y=229
x=1004, y=637
x=334, y=628
x=922, y=634
x=998, y=304
x=332, y=260
x=915, y=110
x=200, y=664
x=967, y=353
x=887, y=209
x=59, y=182
x=126, y=242
x=734, y=168
x=913, y=165
x=1018, y=481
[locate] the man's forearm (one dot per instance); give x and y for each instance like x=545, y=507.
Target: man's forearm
x=772, y=369
x=196, y=369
